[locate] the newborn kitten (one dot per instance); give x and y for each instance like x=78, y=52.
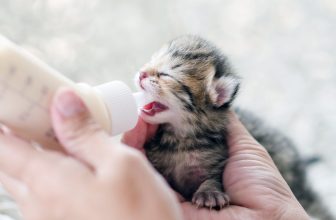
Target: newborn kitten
x=193, y=87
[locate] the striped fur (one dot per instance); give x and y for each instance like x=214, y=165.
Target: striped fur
x=194, y=79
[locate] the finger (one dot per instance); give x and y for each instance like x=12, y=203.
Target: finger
x=246, y=154
x=151, y=131
x=4, y=129
x=18, y=190
x=19, y=160
x=14, y=154
x=77, y=131
x=243, y=147
x=179, y=197
x=138, y=136
x=238, y=136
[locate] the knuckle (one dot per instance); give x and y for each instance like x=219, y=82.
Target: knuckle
x=84, y=123
x=82, y=133
x=127, y=165
x=130, y=159
x=81, y=127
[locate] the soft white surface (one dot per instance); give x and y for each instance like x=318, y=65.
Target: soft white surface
x=285, y=51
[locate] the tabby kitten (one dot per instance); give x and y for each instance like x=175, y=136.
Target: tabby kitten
x=193, y=87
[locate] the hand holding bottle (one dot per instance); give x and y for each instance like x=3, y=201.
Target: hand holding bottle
x=97, y=180
x=27, y=86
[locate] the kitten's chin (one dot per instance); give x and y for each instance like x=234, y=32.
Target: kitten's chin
x=159, y=118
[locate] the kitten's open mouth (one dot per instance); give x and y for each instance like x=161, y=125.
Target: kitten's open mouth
x=154, y=107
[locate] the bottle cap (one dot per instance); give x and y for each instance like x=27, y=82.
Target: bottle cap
x=120, y=104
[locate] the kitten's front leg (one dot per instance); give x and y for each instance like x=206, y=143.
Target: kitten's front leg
x=210, y=194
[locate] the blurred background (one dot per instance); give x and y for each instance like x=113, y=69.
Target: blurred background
x=284, y=50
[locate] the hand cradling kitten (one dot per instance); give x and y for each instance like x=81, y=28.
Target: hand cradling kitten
x=193, y=86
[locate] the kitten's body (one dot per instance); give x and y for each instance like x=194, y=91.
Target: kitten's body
x=193, y=87
x=185, y=162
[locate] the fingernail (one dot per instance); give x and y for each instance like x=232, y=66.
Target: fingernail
x=4, y=129
x=68, y=104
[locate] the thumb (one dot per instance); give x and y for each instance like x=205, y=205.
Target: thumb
x=251, y=171
x=242, y=143
x=238, y=136
x=138, y=136
x=76, y=130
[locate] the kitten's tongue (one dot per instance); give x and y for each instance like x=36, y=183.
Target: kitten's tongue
x=147, y=105
x=154, y=107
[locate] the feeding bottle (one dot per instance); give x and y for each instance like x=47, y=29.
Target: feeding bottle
x=27, y=86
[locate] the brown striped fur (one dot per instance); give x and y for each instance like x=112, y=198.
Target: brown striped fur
x=193, y=78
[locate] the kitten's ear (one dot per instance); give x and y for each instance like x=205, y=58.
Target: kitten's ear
x=223, y=90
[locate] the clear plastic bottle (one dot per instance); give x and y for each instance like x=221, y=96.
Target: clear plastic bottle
x=27, y=86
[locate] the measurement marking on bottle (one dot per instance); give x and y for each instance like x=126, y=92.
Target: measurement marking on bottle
x=5, y=87
x=44, y=92
x=25, y=115
x=3, y=90
x=27, y=83
x=12, y=71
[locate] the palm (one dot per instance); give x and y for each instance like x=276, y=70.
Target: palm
x=249, y=185
x=255, y=186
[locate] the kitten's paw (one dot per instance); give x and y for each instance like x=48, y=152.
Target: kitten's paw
x=211, y=199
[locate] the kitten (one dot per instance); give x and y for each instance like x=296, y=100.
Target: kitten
x=193, y=87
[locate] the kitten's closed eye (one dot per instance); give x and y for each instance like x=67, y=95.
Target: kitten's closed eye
x=162, y=74
x=176, y=66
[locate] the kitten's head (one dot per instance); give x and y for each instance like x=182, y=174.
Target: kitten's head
x=186, y=78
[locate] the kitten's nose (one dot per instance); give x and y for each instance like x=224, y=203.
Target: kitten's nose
x=143, y=75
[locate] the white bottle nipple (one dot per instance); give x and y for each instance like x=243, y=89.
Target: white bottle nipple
x=141, y=99
x=121, y=106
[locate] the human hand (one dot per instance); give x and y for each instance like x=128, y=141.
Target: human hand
x=138, y=136
x=96, y=180
x=256, y=188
